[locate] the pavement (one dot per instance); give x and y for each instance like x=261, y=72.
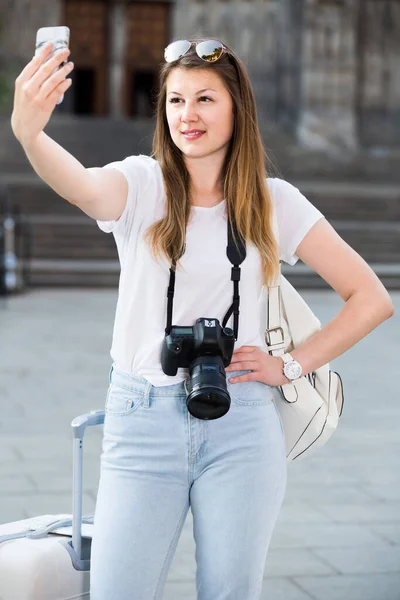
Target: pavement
x=338, y=534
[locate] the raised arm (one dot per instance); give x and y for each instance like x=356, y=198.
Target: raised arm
x=100, y=193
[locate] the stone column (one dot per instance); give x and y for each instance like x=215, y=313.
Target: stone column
x=19, y=22
x=116, y=57
x=328, y=77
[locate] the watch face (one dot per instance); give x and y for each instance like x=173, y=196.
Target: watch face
x=292, y=370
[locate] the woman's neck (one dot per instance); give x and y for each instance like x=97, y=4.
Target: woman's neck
x=206, y=185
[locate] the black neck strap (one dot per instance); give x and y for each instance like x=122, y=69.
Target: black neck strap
x=236, y=256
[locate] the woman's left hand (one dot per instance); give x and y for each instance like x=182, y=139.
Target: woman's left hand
x=265, y=368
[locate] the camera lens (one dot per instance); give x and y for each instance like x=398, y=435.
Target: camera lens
x=208, y=397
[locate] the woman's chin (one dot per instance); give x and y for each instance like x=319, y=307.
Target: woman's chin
x=196, y=152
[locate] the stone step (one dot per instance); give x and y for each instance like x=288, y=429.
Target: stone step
x=95, y=141
x=378, y=241
x=369, y=201
x=302, y=277
x=78, y=236
x=336, y=200
x=105, y=273
x=74, y=273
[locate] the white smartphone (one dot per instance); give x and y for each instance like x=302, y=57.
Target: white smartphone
x=59, y=36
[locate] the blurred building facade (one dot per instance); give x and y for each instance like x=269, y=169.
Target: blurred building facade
x=327, y=87
x=326, y=70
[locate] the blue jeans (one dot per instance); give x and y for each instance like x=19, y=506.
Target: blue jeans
x=157, y=460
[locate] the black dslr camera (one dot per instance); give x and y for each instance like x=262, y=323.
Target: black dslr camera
x=206, y=349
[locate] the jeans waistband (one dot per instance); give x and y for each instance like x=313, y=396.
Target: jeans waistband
x=140, y=384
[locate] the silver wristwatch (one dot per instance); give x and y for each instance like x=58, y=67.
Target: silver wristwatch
x=291, y=368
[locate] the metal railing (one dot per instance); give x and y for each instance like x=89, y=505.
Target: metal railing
x=15, y=247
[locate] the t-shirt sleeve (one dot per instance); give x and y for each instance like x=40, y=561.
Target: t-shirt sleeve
x=295, y=215
x=138, y=171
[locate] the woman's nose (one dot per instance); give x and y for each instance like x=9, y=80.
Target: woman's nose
x=189, y=112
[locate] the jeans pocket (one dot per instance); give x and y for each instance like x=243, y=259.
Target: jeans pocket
x=121, y=401
x=275, y=402
x=249, y=393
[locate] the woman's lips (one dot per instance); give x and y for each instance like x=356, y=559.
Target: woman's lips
x=193, y=136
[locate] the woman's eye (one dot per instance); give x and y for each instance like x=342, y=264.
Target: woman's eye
x=175, y=100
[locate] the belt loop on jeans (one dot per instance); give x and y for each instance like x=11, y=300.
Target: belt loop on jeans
x=146, y=394
x=184, y=385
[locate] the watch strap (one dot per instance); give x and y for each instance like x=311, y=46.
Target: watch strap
x=286, y=357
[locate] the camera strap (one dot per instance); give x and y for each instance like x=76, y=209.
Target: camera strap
x=236, y=255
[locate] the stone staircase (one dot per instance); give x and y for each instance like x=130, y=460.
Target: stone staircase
x=69, y=249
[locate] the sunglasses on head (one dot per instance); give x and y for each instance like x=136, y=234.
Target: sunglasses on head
x=209, y=50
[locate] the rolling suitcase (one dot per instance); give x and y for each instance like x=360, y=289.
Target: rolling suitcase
x=48, y=557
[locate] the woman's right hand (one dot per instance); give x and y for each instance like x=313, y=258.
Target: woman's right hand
x=37, y=92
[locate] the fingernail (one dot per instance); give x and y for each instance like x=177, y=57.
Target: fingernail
x=232, y=380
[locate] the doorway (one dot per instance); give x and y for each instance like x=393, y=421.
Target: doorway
x=148, y=25
x=142, y=93
x=88, y=21
x=85, y=85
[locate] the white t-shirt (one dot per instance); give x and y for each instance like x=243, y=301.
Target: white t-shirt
x=205, y=288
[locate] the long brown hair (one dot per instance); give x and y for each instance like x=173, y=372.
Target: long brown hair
x=243, y=173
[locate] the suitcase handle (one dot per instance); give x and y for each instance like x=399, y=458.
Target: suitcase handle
x=79, y=424
x=42, y=532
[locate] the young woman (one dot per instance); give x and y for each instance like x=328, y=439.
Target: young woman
x=159, y=459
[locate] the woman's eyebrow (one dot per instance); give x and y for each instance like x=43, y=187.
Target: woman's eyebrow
x=199, y=92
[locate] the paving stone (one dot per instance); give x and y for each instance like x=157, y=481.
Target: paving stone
x=7, y=454
x=55, y=503
x=56, y=447
x=179, y=591
x=352, y=587
x=389, y=532
x=342, y=500
x=384, y=491
x=44, y=448
x=183, y=566
x=51, y=483
x=12, y=411
x=31, y=467
x=323, y=536
x=378, y=558
x=321, y=477
x=372, y=459
x=289, y=563
x=273, y=589
x=39, y=426
x=358, y=470
x=283, y=589
x=386, y=476
x=330, y=493
x=12, y=508
x=12, y=484
x=302, y=512
x=378, y=512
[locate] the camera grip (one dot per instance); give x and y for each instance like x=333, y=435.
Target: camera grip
x=169, y=361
